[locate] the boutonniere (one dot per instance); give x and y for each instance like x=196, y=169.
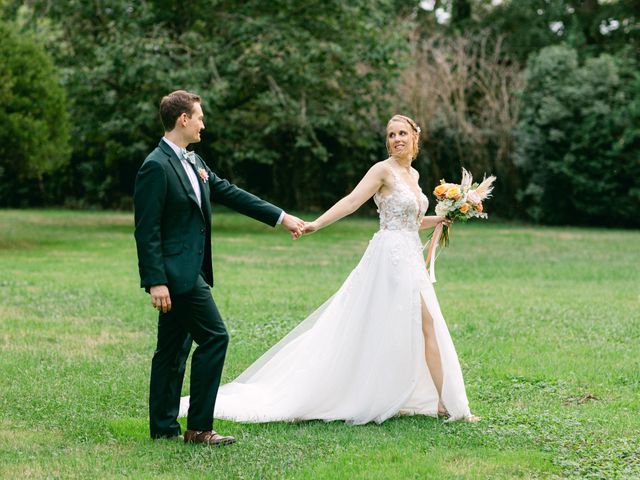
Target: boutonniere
x=203, y=174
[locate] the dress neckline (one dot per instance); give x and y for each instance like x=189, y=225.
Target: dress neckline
x=417, y=198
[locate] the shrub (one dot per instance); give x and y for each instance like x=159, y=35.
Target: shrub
x=34, y=124
x=578, y=139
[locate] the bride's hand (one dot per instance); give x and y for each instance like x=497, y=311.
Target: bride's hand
x=433, y=221
x=310, y=227
x=444, y=220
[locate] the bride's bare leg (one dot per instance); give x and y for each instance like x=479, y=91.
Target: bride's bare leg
x=432, y=357
x=432, y=352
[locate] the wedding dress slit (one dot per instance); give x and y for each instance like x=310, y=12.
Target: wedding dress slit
x=360, y=357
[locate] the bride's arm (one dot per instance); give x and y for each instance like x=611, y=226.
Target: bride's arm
x=433, y=220
x=368, y=186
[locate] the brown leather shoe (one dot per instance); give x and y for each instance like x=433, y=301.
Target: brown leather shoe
x=208, y=438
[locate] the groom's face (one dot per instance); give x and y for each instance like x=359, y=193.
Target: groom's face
x=194, y=124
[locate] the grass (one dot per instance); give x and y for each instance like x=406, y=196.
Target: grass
x=546, y=322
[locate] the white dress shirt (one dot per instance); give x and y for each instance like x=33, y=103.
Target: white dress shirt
x=187, y=168
x=192, y=174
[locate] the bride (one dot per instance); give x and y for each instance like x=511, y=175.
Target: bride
x=379, y=346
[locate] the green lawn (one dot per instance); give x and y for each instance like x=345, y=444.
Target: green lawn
x=546, y=322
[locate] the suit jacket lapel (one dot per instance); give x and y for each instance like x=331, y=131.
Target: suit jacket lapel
x=182, y=175
x=204, y=196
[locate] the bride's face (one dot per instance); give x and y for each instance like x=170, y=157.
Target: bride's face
x=400, y=139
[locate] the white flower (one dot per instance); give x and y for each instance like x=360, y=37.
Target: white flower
x=441, y=209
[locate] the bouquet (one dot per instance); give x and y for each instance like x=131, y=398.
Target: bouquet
x=457, y=202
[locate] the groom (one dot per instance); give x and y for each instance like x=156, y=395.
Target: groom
x=173, y=191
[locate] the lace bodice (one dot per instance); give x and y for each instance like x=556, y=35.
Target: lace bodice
x=401, y=209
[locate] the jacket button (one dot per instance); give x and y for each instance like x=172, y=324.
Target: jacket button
x=200, y=252
x=202, y=230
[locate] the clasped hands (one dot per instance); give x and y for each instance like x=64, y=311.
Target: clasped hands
x=298, y=227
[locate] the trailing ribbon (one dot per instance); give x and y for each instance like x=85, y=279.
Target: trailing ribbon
x=431, y=255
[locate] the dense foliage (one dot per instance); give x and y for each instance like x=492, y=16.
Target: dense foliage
x=34, y=138
x=578, y=140
x=297, y=93
x=288, y=89
x=589, y=26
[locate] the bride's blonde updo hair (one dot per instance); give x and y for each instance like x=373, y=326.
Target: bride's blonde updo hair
x=413, y=128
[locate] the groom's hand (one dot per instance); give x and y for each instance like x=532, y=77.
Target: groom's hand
x=294, y=225
x=160, y=298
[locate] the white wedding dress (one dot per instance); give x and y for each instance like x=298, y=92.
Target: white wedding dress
x=360, y=356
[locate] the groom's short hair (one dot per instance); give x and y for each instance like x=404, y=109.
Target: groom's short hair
x=174, y=105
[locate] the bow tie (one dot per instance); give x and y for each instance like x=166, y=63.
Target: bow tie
x=189, y=156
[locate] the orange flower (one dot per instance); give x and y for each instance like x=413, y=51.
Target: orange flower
x=465, y=208
x=453, y=192
x=479, y=207
x=441, y=189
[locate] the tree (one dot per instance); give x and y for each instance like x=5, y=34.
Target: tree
x=578, y=140
x=526, y=26
x=288, y=87
x=34, y=132
x=463, y=93
x=589, y=26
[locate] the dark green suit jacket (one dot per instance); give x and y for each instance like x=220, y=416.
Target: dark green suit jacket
x=173, y=234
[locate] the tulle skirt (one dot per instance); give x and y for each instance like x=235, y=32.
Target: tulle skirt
x=360, y=356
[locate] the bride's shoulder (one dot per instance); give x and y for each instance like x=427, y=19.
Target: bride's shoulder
x=381, y=169
x=382, y=166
